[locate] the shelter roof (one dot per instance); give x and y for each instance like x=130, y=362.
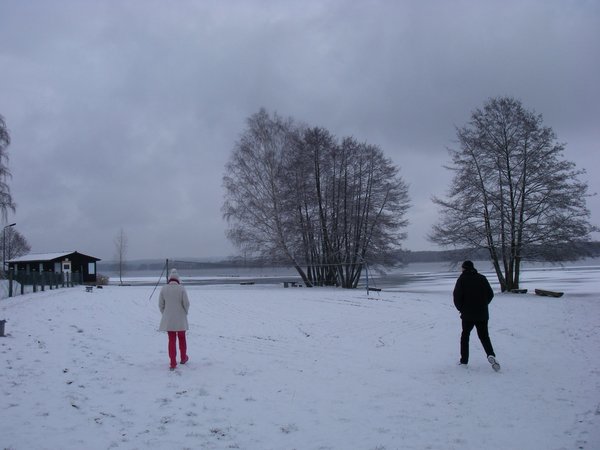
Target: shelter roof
x=48, y=257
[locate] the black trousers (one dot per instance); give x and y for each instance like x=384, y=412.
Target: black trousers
x=482, y=333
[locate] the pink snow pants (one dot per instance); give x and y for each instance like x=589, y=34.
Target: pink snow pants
x=173, y=337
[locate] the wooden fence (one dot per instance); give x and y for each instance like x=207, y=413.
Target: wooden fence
x=40, y=281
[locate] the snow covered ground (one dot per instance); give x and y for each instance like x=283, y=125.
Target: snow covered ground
x=297, y=368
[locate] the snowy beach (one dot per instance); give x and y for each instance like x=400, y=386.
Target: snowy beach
x=298, y=368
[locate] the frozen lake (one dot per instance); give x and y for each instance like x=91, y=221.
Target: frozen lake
x=411, y=276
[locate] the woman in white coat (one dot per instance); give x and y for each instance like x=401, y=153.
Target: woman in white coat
x=174, y=305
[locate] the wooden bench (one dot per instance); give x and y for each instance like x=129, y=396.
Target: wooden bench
x=89, y=288
x=291, y=283
x=545, y=293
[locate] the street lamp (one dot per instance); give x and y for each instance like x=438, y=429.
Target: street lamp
x=4, y=245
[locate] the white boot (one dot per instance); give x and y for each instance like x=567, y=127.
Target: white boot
x=495, y=364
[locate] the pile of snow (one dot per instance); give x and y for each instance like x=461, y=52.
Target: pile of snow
x=297, y=368
x=5, y=288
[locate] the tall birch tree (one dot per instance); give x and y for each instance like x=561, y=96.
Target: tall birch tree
x=254, y=181
x=6, y=201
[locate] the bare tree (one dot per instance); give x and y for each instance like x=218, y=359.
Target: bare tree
x=121, y=244
x=6, y=200
x=253, y=179
x=16, y=244
x=513, y=193
x=295, y=194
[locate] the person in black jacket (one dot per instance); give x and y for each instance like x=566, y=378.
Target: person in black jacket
x=472, y=295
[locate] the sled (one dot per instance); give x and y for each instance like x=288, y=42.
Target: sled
x=518, y=291
x=545, y=293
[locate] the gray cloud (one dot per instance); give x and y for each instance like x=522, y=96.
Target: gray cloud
x=123, y=114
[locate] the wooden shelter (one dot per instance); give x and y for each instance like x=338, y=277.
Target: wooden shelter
x=79, y=266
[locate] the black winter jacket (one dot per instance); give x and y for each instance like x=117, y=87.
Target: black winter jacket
x=472, y=295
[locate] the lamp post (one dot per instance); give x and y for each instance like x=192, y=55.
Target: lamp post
x=4, y=245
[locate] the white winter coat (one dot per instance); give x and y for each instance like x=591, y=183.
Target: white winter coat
x=174, y=305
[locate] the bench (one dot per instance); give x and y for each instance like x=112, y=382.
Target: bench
x=291, y=283
x=89, y=288
x=545, y=293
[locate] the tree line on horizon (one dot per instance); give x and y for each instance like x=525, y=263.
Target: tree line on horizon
x=403, y=257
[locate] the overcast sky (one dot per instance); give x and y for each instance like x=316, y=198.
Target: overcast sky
x=123, y=114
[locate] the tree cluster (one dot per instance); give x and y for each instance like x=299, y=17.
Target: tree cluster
x=298, y=195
